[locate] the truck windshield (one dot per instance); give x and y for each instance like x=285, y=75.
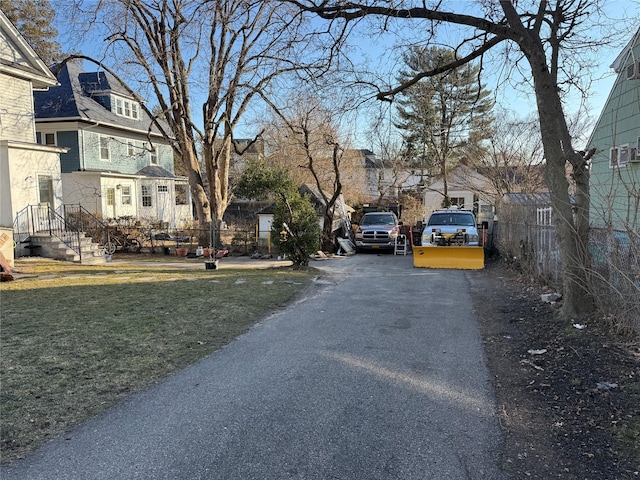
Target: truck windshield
x=377, y=220
x=465, y=219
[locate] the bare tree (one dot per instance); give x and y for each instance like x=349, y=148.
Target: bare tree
x=511, y=158
x=227, y=53
x=312, y=143
x=549, y=37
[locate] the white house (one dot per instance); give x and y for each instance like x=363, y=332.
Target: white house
x=29, y=171
x=466, y=188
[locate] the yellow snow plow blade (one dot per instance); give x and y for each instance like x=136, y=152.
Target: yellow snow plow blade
x=466, y=258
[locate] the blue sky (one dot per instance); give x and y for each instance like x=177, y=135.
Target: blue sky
x=380, y=51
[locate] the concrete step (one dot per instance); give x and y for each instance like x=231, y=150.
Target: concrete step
x=51, y=247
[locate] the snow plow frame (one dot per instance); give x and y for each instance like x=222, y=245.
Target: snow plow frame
x=457, y=257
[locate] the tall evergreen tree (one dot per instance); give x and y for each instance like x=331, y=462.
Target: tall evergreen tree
x=443, y=114
x=34, y=20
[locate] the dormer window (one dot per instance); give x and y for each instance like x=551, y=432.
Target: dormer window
x=127, y=108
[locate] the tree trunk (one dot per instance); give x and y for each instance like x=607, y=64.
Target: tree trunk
x=217, y=155
x=198, y=193
x=572, y=231
x=446, y=201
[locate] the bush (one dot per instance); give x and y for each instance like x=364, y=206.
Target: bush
x=302, y=227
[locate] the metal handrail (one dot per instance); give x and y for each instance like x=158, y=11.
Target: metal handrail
x=82, y=220
x=68, y=225
x=46, y=219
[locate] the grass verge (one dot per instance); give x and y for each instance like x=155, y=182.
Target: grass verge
x=77, y=339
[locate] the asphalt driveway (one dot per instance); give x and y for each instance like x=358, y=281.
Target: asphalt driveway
x=379, y=375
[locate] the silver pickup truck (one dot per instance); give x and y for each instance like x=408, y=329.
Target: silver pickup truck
x=377, y=230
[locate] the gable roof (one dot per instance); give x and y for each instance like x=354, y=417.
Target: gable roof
x=155, y=171
x=618, y=66
x=620, y=62
x=19, y=60
x=462, y=177
x=78, y=96
x=368, y=158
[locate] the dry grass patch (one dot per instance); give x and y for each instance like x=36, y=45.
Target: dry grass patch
x=76, y=339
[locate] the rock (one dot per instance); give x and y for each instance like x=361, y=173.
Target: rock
x=550, y=297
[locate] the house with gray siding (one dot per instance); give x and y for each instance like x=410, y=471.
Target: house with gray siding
x=615, y=168
x=118, y=163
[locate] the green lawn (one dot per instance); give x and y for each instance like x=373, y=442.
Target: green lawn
x=76, y=339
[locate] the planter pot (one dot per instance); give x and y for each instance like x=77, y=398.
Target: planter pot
x=182, y=252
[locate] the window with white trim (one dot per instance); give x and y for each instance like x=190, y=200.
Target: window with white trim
x=163, y=189
x=623, y=157
x=619, y=156
x=154, y=156
x=130, y=150
x=49, y=138
x=146, y=196
x=127, y=108
x=613, y=157
x=45, y=189
x=104, y=149
x=125, y=192
x=457, y=201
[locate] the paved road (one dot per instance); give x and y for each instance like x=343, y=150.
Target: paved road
x=355, y=382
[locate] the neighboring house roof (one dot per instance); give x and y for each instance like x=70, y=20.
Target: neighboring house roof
x=19, y=60
x=316, y=200
x=620, y=62
x=543, y=198
x=618, y=66
x=531, y=199
x=316, y=197
x=80, y=97
x=369, y=159
x=516, y=175
x=156, y=171
x=253, y=147
x=462, y=177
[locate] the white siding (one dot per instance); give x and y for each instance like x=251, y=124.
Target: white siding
x=22, y=163
x=16, y=115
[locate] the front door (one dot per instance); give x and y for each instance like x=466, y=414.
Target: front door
x=45, y=201
x=111, y=202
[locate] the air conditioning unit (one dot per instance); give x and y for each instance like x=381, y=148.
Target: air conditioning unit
x=634, y=155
